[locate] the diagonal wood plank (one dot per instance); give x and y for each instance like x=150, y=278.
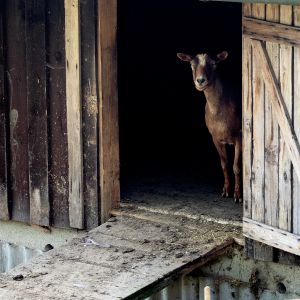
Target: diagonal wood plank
x=278, y=104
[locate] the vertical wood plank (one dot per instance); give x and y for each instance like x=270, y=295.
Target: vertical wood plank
x=4, y=213
x=37, y=111
x=285, y=169
x=89, y=113
x=271, y=133
x=296, y=118
x=73, y=94
x=258, y=11
x=17, y=91
x=247, y=9
x=247, y=120
x=260, y=251
x=108, y=110
x=58, y=142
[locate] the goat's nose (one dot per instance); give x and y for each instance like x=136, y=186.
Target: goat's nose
x=201, y=80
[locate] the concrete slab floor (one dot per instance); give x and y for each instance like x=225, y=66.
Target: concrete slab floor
x=123, y=257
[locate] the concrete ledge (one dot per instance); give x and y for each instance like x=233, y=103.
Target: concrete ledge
x=124, y=258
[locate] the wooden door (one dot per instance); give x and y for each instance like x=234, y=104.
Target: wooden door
x=271, y=125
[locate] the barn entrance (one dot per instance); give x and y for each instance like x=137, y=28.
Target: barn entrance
x=168, y=161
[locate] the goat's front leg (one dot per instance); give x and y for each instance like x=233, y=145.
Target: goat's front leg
x=237, y=171
x=224, y=163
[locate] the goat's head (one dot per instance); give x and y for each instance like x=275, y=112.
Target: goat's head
x=203, y=67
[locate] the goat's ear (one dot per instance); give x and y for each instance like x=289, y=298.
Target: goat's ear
x=222, y=56
x=184, y=57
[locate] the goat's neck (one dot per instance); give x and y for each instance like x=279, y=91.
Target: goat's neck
x=214, y=94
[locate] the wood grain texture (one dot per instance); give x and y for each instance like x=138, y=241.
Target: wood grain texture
x=271, y=31
x=247, y=9
x=271, y=133
x=37, y=111
x=278, y=105
x=18, y=114
x=247, y=126
x=89, y=114
x=73, y=96
x=285, y=167
x=4, y=212
x=271, y=236
x=58, y=138
x=108, y=109
x=258, y=208
x=296, y=118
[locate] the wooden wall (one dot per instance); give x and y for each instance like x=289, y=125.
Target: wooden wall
x=49, y=113
x=271, y=97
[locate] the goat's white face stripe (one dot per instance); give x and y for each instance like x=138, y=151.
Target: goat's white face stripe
x=202, y=59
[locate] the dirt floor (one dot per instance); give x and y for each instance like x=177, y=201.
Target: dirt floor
x=195, y=199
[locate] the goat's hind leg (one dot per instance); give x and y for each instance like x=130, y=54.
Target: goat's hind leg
x=237, y=172
x=221, y=148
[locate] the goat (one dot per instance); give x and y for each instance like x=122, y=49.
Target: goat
x=222, y=114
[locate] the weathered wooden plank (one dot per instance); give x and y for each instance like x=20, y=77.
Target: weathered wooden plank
x=247, y=9
x=258, y=10
x=108, y=109
x=247, y=127
x=4, y=213
x=58, y=142
x=278, y=104
x=271, y=236
x=17, y=91
x=258, y=209
x=296, y=118
x=285, y=171
x=37, y=111
x=271, y=31
x=271, y=133
x=73, y=94
x=89, y=114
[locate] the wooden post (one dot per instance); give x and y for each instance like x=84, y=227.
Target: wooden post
x=296, y=117
x=89, y=114
x=285, y=167
x=58, y=142
x=37, y=111
x=73, y=94
x=207, y=293
x=4, y=214
x=271, y=133
x=247, y=119
x=18, y=112
x=108, y=110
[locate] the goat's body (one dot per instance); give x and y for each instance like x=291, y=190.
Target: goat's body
x=223, y=116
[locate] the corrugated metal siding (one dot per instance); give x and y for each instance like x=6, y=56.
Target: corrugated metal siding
x=192, y=288
x=12, y=255
x=286, y=2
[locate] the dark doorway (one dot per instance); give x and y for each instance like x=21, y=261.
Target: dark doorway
x=164, y=143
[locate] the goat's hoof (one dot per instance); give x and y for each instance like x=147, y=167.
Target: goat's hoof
x=238, y=199
x=225, y=194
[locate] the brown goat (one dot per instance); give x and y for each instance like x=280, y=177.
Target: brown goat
x=222, y=114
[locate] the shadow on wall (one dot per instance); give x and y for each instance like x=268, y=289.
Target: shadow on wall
x=162, y=125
